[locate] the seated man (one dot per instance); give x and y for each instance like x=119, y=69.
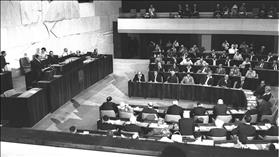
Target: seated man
x=270, y=57
x=152, y=11
x=155, y=77
x=242, y=84
x=261, y=64
x=159, y=67
x=217, y=132
x=224, y=82
x=260, y=89
x=109, y=105
x=130, y=126
x=188, y=69
x=175, y=109
x=267, y=94
x=199, y=110
x=52, y=59
x=174, y=68
x=235, y=71
x=244, y=129
x=245, y=63
x=195, y=12
x=274, y=65
x=172, y=78
x=220, y=70
x=25, y=63
x=204, y=70
x=208, y=80
x=186, y=61
x=201, y=62
x=217, y=12
x=188, y=79
x=139, y=77
x=251, y=73
x=238, y=56
x=103, y=125
x=148, y=109
x=242, y=10
x=220, y=108
x=125, y=108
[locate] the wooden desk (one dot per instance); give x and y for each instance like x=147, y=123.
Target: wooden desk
x=6, y=81
x=26, y=109
x=201, y=93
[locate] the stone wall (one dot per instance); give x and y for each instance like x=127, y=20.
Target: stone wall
x=28, y=25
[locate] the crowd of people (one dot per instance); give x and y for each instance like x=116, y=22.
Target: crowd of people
x=243, y=131
x=225, y=11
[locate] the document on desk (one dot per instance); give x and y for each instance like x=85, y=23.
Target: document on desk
x=203, y=142
x=156, y=125
x=29, y=92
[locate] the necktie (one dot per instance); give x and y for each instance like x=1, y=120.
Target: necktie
x=206, y=81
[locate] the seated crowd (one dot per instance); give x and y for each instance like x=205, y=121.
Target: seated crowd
x=187, y=11
x=174, y=58
x=196, y=123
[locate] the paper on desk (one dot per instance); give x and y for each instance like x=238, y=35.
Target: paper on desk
x=226, y=145
x=203, y=142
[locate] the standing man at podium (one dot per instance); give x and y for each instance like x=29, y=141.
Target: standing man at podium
x=3, y=61
x=36, y=67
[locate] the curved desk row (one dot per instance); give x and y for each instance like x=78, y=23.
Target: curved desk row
x=209, y=94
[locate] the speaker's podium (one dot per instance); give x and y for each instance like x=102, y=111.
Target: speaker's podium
x=48, y=74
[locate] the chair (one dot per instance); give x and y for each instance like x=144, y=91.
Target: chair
x=109, y=113
x=217, y=134
x=25, y=66
x=186, y=126
x=172, y=118
x=224, y=118
x=126, y=115
x=204, y=117
x=274, y=110
x=149, y=116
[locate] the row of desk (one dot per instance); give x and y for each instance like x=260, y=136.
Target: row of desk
x=64, y=87
x=209, y=94
x=269, y=76
x=120, y=145
x=6, y=81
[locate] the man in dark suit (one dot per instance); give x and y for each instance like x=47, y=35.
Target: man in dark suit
x=273, y=131
x=260, y=89
x=3, y=61
x=220, y=69
x=109, y=105
x=242, y=84
x=267, y=94
x=149, y=109
x=103, y=125
x=52, y=59
x=175, y=109
x=244, y=129
x=172, y=78
x=139, y=77
x=199, y=110
x=155, y=77
x=224, y=82
x=188, y=69
x=208, y=80
x=217, y=132
x=36, y=67
x=220, y=108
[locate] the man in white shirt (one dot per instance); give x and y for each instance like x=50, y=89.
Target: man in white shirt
x=186, y=61
x=201, y=62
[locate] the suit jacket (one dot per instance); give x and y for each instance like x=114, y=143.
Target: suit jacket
x=109, y=106
x=266, y=97
x=264, y=108
x=220, y=109
x=52, y=59
x=222, y=83
x=175, y=110
x=217, y=132
x=198, y=111
x=136, y=78
x=209, y=82
x=244, y=130
x=259, y=91
x=132, y=128
x=3, y=62
x=243, y=86
x=36, y=68
x=172, y=79
x=159, y=78
x=188, y=70
x=221, y=71
x=273, y=131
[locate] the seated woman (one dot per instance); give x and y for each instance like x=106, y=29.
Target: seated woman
x=251, y=73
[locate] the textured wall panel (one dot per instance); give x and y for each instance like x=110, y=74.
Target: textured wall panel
x=76, y=26
x=61, y=10
x=31, y=12
x=86, y=9
x=10, y=13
